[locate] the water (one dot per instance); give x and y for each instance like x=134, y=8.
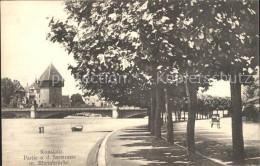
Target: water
x=22, y=142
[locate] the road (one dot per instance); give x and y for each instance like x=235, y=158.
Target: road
x=216, y=142
x=251, y=131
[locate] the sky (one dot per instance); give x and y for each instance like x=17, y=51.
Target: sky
x=25, y=52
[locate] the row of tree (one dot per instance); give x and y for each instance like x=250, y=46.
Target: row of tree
x=164, y=51
x=207, y=104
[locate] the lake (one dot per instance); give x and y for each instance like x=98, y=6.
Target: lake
x=23, y=145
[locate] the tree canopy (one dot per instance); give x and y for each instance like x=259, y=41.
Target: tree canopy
x=76, y=100
x=11, y=90
x=123, y=47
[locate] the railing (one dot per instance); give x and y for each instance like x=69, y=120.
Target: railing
x=132, y=108
x=15, y=109
x=74, y=109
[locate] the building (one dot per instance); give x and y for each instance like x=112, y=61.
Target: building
x=47, y=90
x=65, y=101
x=33, y=92
x=51, y=83
x=95, y=101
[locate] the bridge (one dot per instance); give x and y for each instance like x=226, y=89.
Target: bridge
x=114, y=112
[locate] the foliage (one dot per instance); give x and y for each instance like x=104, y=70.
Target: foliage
x=12, y=92
x=7, y=90
x=227, y=35
x=207, y=104
x=252, y=91
x=251, y=113
x=76, y=100
x=102, y=44
x=140, y=39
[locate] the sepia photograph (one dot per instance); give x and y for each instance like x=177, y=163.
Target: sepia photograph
x=130, y=83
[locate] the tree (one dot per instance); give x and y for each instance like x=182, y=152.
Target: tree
x=252, y=91
x=161, y=29
x=242, y=55
x=11, y=90
x=76, y=100
x=170, y=137
x=153, y=111
x=229, y=38
x=169, y=37
x=7, y=90
x=250, y=112
x=251, y=97
x=158, y=46
x=207, y=104
x=144, y=30
x=115, y=54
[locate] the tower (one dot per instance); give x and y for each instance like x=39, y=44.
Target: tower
x=51, y=83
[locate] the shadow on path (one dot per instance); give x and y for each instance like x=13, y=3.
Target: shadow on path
x=135, y=146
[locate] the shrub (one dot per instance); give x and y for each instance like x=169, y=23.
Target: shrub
x=251, y=113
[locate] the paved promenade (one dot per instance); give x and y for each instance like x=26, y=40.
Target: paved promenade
x=134, y=147
x=217, y=143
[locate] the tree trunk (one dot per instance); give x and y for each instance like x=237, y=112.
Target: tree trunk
x=192, y=109
x=158, y=120
x=237, y=126
x=149, y=113
x=175, y=112
x=165, y=117
x=170, y=136
x=153, y=111
x=162, y=115
x=180, y=115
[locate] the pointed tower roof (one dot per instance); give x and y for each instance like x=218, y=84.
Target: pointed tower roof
x=51, y=74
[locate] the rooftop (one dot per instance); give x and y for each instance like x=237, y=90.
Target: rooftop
x=34, y=85
x=51, y=74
